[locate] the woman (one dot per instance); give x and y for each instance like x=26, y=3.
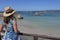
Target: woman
x=9, y=23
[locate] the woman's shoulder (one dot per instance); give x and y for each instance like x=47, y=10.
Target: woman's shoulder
x=12, y=21
x=2, y=22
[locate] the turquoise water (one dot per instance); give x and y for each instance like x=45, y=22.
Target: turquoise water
x=43, y=21
x=44, y=24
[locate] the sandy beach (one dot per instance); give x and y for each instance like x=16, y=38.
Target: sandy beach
x=25, y=29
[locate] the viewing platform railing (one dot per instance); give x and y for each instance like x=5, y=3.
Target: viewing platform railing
x=36, y=36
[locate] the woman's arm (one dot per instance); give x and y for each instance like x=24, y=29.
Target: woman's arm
x=1, y=28
x=15, y=27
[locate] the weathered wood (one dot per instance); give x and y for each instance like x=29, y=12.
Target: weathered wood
x=0, y=36
x=36, y=36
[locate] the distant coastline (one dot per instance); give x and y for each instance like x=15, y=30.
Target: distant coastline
x=43, y=11
x=37, y=12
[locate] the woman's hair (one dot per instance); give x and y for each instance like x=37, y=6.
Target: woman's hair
x=7, y=19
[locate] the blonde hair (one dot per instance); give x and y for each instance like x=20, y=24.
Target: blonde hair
x=7, y=19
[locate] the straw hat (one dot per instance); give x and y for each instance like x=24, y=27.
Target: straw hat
x=8, y=14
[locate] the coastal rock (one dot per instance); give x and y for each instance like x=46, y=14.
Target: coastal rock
x=18, y=16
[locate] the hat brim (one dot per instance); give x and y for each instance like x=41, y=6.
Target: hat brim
x=6, y=15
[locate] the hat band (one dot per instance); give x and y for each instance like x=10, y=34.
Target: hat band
x=9, y=11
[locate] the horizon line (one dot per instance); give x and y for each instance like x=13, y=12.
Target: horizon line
x=33, y=10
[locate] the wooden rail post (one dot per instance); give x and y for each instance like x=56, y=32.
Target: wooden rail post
x=0, y=35
x=35, y=37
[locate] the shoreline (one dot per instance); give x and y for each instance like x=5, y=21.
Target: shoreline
x=26, y=28
x=37, y=31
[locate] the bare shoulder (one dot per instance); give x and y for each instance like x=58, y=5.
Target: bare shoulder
x=0, y=25
x=14, y=21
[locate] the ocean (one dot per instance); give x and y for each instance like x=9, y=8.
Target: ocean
x=45, y=24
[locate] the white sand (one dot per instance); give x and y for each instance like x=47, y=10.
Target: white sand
x=27, y=29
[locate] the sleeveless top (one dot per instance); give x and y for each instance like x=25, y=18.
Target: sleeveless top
x=9, y=31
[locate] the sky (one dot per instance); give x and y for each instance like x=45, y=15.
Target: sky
x=30, y=5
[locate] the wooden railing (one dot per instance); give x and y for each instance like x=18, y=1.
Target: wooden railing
x=36, y=36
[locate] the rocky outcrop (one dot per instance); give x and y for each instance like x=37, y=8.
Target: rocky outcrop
x=18, y=16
